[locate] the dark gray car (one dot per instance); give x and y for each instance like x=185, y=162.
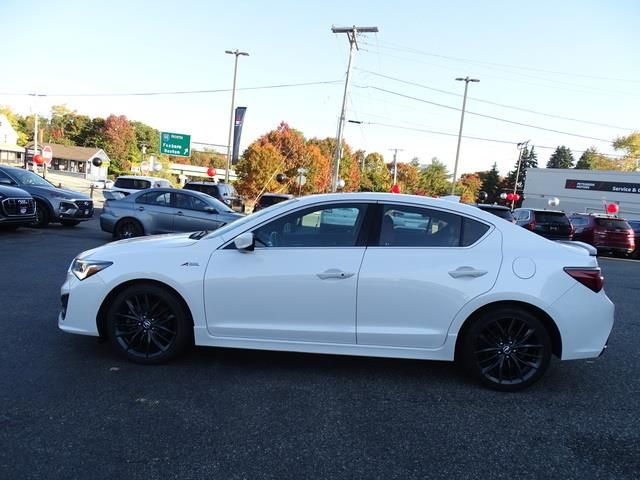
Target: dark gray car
x=163, y=210
x=53, y=204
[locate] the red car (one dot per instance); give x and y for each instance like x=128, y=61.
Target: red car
x=606, y=233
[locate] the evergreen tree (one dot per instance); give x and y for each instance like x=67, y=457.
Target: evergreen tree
x=586, y=159
x=491, y=183
x=561, y=158
x=529, y=159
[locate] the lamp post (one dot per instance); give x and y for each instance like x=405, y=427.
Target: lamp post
x=466, y=81
x=237, y=53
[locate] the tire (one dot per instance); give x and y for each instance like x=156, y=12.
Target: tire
x=69, y=223
x=506, y=349
x=128, y=228
x=42, y=216
x=148, y=324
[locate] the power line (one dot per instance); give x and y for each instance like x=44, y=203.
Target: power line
x=177, y=92
x=498, y=119
x=449, y=134
x=555, y=83
x=512, y=107
x=416, y=51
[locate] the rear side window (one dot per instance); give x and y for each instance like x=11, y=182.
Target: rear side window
x=132, y=183
x=580, y=221
x=552, y=217
x=405, y=226
x=612, y=223
x=155, y=198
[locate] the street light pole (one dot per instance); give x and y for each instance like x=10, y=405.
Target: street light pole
x=351, y=35
x=237, y=53
x=521, y=146
x=466, y=81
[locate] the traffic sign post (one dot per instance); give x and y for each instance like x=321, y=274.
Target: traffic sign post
x=176, y=144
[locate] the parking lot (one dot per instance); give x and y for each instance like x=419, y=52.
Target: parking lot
x=70, y=408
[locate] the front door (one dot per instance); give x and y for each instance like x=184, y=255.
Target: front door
x=424, y=267
x=155, y=212
x=191, y=214
x=299, y=284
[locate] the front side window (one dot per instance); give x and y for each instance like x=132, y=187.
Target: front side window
x=25, y=177
x=162, y=199
x=189, y=202
x=327, y=226
x=405, y=226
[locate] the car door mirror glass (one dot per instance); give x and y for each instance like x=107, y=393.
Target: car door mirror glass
x=245, y=242
x=210, y=210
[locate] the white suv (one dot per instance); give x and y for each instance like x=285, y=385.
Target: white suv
x=128, y=184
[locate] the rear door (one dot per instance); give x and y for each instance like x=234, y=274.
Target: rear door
x=422, y=268
x=155, y=212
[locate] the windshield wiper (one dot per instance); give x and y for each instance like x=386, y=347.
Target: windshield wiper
x=199, y=235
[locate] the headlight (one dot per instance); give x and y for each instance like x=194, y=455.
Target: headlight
x=85, y=268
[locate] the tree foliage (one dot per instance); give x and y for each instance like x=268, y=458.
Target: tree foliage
x=120, y=143
x=561, y=158
x=468, y=187
x=631, y=147
x=491, y=183
x=375, y=176
x=409, y=178
x=434, y=179
x=528, y=159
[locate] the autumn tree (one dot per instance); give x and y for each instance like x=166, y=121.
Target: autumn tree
x=17, y=122
x=630, y=145
x=468, y=187
x=434, y=179
x=257, y=169
x=375, y=177
x=120, y=143
x=561, y=158
x=409, y=178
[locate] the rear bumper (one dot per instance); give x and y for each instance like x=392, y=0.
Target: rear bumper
x=107, y=223
x=615, y=248
x=585, y=320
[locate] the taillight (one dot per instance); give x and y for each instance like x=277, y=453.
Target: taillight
x=589, y=277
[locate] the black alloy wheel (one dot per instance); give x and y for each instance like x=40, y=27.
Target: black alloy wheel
x=148, y=324
x=507, y=349
x=42, y=216
x=128, y=228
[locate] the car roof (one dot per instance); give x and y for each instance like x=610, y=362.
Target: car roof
x=488, y=206
x=140, y=177
x=279, y=195
x=203, y=182
x=544, y=210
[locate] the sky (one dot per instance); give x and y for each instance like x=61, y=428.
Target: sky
x=573, y=59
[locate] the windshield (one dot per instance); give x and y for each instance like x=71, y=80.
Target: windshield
x=217, y=204
x=612, y=223
x=24, y=177
x=249, y=218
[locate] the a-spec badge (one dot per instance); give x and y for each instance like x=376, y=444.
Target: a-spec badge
x=190, y=264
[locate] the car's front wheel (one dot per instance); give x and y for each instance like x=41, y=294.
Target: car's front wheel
x=128, y=228
x=148, y=324
x=506, y=349
x=42, y=215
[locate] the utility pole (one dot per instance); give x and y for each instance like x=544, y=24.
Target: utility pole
x=237, y=53
x=395, y=163
x=521, y=146
x=466, y=81
x=352, y=33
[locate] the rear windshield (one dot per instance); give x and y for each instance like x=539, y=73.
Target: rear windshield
x=132, y=183
x=552, y=217
x=208, y=189
x=612, y=223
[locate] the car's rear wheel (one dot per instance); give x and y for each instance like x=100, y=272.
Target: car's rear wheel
x=69, y=223
x=42, y=216
x=148, y=324
x=506, y=349
x=128, y=228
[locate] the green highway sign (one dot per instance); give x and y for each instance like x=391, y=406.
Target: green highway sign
x=176, y=144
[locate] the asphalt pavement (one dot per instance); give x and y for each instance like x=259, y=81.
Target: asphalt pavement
x=70, y=408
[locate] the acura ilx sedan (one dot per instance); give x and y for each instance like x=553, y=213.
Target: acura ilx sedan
x=369, y=274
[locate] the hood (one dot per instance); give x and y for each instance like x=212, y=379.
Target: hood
x=230, y=217
x=12, y=192
x=59, y=192
x=140, y=244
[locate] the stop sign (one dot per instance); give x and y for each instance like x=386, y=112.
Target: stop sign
x=144, y=167
x=47, y=154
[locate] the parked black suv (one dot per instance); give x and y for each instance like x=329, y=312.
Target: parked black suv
x=551, y=224
x=17, y=208
x=53, y=204
x=224, y=192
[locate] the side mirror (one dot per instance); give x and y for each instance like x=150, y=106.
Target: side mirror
x=6, y=181
x=210, y=210
x=245, y=242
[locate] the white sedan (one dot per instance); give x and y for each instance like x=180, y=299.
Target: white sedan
x=368, y=274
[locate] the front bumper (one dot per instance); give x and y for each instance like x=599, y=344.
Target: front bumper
x=81, y=301
x=78, y=210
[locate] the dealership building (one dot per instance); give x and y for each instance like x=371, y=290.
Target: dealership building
x=583, y=191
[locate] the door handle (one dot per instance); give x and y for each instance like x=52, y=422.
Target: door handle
x=179, y=213
x=141, y=209
x=334, y=273
x=461, y=272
